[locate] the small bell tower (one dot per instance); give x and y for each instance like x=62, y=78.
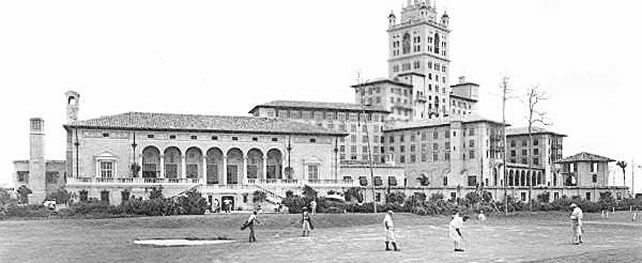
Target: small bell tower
x=73, y=105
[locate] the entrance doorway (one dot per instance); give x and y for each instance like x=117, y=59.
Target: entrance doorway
x=228, y=200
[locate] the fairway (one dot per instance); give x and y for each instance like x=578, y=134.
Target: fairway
x=526, y=237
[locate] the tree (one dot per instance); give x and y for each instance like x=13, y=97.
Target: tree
x=622, y=164
x=544, y=197
x=23, y=194
x=259, y=196
x=309, y=192
x=5, y=198
x=192, y=203
x=83, y=195
x=134, y=168
x=505, y=92
x=535, y=117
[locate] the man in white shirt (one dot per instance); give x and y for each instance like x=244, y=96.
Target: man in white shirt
x=576, y=222
x=454, y=229
x=390, y=231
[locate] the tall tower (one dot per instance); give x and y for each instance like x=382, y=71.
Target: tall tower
x=73, y=104
x=418, y=44
x=37, y=162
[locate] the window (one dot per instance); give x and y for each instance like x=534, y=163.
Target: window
x=193, y=137
x=235, y=138
x=446, y=184
x=105, y=135
x=412, y=148
x=149, y=136
x=23, y=176
x=413, y=158
x=535, y=142
x=342, y=148
x=471, y=155
x=536, y=161
x=392, y=139
x=275, y=139
x=106, y=169
x=447, y=156
x=402, y=148
x=471, y=143
x=512, y=143
x=172, y=137
x=435, y=135
x=593, y=167
x=472, y=180
x=435, y=157
x=423, y=157
x=535, y=151
x=353, y=149
x=594, y=178
x=353, y=128
x=313, y=172
x=313, y=140
x=513, y=153
x=402, y=158
x=524, y=152
x=353, y=138
x=435, y=146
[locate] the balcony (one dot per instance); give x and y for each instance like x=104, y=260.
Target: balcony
x=421, y=98
x=99, y=181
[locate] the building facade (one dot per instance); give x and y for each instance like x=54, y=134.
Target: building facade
x=546, y=149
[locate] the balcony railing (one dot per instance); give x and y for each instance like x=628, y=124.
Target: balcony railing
x=129, y=180
x=192, y=181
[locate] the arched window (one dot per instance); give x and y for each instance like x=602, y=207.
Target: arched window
x=406, y=43
x=436, y=45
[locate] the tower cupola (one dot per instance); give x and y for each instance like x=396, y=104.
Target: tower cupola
x=73, y=105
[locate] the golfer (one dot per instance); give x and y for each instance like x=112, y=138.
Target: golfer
x=251, y=222
x=576, y=223
x=454, y=229
x=306, y=221
x=390, y=231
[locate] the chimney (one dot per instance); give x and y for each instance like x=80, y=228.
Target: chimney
x=462, y=79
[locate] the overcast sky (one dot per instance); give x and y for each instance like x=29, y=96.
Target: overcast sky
x=223, y=57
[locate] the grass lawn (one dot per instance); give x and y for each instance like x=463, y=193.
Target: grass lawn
x=336, y=238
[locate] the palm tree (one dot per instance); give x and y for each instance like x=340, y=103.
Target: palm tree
x=622, y=164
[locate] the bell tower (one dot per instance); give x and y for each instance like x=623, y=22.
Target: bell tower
x=418, y=44
x=73, y=104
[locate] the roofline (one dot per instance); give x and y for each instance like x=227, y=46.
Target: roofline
x=465, y=84
x=608, y=160
x=462, y=97
x=382, y=81
x=412, y=73
x=535, y=133
x=316, y=108
x=443, y=124
x=67, y=127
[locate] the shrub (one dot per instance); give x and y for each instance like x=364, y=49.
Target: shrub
x=294, y=203
x=15, y=210
x=23, y=194
x=83, y=195
x=353, y=194
x=258, y=196
x=192, y=203
x=544, y=197
x=156, y=192
x=61, y=196
x=395, y=198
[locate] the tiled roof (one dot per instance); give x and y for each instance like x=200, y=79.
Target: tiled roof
x=318, y=105
x=585, y=157
x=453, y=95
x=535, y=130
x=193, y=122
x=399, y=125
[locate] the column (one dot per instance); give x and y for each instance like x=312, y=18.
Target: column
x=183, y=167
x=244, y=179
x=162, y=166
x=223, y=181
x=140, y=173
x=264, y=167
x=204, y=170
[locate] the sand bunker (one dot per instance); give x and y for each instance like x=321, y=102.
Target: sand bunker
x=181, y=242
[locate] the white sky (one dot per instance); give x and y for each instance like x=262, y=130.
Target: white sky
x=223, y=57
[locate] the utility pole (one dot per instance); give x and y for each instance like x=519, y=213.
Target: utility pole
x=362, y=90
x=504, y=87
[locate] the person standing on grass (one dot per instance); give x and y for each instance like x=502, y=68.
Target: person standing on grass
x=313, y=207
x=576, y=222
x=307, y=222
x=215, y=205
x=390, y=231
x=251, y=223
x=227, y=203
x=454, y=229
